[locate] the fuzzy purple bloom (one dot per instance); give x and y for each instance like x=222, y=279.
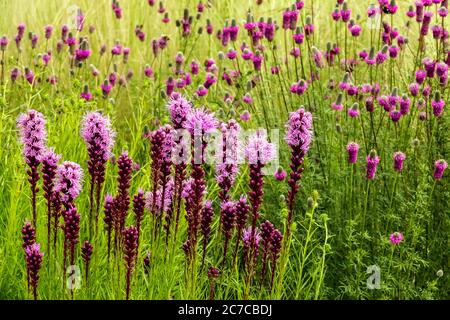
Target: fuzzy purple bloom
x=352, y=149
x=439, y=168
x=399, y=158
x=372, y=163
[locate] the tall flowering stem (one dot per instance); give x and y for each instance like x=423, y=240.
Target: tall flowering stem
x=32, y=132
x=258, y=153
x=99, y=139
x=49, y=166
x=68, y=187
x=298, y=137
x=199, y=123
x=179, y=107
x=227, y=167
x=130, y=244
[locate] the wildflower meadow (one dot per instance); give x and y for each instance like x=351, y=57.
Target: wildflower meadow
x=224, y=150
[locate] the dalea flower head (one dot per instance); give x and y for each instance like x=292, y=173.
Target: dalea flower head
x=395, y=238
x=399, y=158
x=372, y=162
x=258, y=149
x=439, y=167
x=352, y=149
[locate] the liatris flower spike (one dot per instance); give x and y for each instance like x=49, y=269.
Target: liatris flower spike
x=49, y=166
x=34, y=261
x=130, y=236
x=33, y=136
x=99, y=139
x=86, y=253
x=298, y=137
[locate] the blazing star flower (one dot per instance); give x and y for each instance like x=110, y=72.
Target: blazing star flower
x=34, y=257
x=352, y=149
x=68, y=181
x=439, y=168
x=227, y=156
x=130, y=240
x=395, y=238
x=98, y=136
x=259, y=150
x=200, y=121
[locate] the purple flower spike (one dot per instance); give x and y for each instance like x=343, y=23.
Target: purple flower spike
x=68, y=185
x=227, y=156
x=130, y=236
x=86, y=253
x=207, y=216
x=99, y=139
x=298, y=137
x=49, y=167
x=33, y=135
x=228, y=218
x=34, y=261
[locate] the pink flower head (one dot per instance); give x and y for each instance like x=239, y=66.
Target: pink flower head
x=32, y=135
x=258, y=149
x=395, y=238
x=399, y=158
x=245, y=116
x=68, y=181
x=439, y=168
x=280, y=174
x=299, y=130
x=372, y=163
x=179, y=107
x=98, y=134
x=352, y=149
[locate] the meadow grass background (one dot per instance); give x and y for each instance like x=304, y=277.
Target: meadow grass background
x=332, y=247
